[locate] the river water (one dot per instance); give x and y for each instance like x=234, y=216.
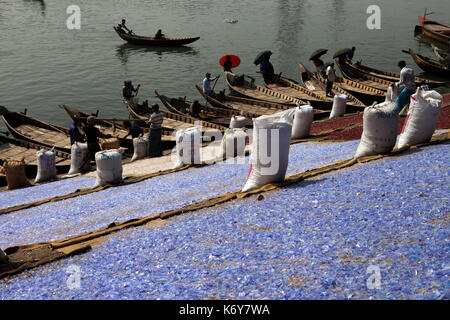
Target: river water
x=44, y=64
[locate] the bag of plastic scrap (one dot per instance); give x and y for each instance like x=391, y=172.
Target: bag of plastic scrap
x=140, y=146
x=303, y=118
x=339, y=103
x=15, y=174
x=238, y=122
x=188, y=143
x=270, y=152
x=423, y=114
x=79, y=158
x=46, y=166
x=234, y=142
x=380, y=127
x=109, y=143
x=109, y=167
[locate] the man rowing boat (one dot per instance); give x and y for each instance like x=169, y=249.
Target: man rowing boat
x=127, y=93
x=121, y=27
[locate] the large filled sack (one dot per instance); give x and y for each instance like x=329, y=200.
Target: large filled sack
x=423, y=114
x=392, y=93
x=270, y=152
x=303, y=118
x=233, y=142
x=109, y=143
x=109, y=167
x=140, y=147
x=380, y=127
x=79, y=158
x=339, y=104
x=15, y=174
x=188, y=143
x=46, y=166
x=238, y=122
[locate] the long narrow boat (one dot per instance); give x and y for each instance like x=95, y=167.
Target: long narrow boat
x=251, y=108
x=240, y=86
x=116, y=129
x=430, y=66
x=151, y=41
x=15, y=149
x=435, y=30
x=387, y=75
x=24, y=127
x=315, y=81
x=209, y=120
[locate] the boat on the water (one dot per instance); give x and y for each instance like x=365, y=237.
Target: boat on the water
x=430, y=66
x=151, y=41
x=24, y=127
x=239, y=85
x=315, y=81
x=362, y=70
x=208, y=118
x=15, y=149
x=251, y=108
x=435, y=30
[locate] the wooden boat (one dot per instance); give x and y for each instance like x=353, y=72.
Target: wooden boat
x=317, y=85
x=251, y=108
x=440, y=55
x=209, y=119
x=117, y=130
x=357, y=67
x=172, y=121
x=15, y=149
x=435, y=30
x=151, y=41
x=430, y=66
x=24, y=127
x=240, y=86
x=315, y=81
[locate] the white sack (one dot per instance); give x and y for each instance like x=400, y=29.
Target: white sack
x=380, y=127
x=109, y=167
x=79, y=158
x=46, y=166
x=423, y=114
x=188, y=147
x=270, y=152
x=303, y=118
x=233, y=142
x=238, y=122
x=140, y=146
x=392, y=93
x=339, y=103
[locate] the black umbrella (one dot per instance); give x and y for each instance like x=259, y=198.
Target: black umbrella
x=261, y=56
x=341, y=52
x=318, y=53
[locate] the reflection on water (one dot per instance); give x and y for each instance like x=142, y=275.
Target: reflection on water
x=41, y=3
x=426, y=41
x=124, y=51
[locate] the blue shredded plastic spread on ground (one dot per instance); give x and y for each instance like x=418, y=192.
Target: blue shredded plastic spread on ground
x=323, y=238
x=93, y=211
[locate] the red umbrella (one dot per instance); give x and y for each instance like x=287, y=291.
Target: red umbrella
x=235, y=61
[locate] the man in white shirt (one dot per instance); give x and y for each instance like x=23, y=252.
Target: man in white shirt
x=407, y=85
x=331, y=76
x=207, y=84
x=154, y=137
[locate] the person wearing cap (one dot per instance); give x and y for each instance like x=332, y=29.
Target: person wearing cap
x=92, y=134
x=156, y=119
x=75, y=135
x=207, y=84
x=407, y=84
x=127, y=93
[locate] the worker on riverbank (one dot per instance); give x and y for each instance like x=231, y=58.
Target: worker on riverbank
x=75, y=135
x=154, y=137
x=407, y=85
x=331, y=76
x=92, y=135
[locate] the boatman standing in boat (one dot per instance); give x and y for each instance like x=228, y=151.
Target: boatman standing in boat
x=154, y=137
x=350, y=54
x=331, y=76
x=406, y=84
x=207, y=84
x=127, y=93
x=266, y=68
x=121, y=26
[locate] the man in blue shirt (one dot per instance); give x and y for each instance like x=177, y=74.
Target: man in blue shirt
x=266, y=68
x=134, y=129
x=207, y=84
x=75, y=135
